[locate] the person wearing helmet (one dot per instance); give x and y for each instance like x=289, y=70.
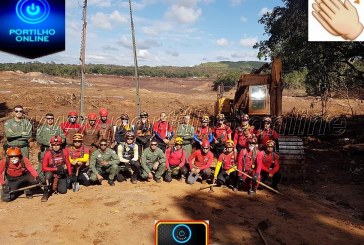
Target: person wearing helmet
x=143, y=130
x=199, y=163
x=104, y=164
x=269, y=160
x=153, y=162
x=128, y=153
x=267, y=133
x=70, y=127
x=241, y=132
x=18, y=131
x=175, y=161
x=44, y=134
x=186, y=131
x=106, y=127
x=121, y=130
x=56, y=167
x=247, y=164
x=79, y=156
x=163, y=131
x=221, y=133
x=227, y=162
x=203, y=132
x=91, y=132
x=18, y=172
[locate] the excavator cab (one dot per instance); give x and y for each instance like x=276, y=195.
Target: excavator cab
x=259, y=100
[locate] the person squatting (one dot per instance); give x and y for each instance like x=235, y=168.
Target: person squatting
x=76, y=153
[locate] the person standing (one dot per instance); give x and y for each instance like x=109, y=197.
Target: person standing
x=70, y=127
x=163, y=131
x=186, y=132
x=18, y=131
x=121, y=130
x=267, y=133
x=203, y=132
x=143, y=129
x=106, y=127
x=91, y=132
x=221, y=133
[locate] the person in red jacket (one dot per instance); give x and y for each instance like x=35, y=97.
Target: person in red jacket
x=269, y=161
x=247, y=164
x=221, y=133
x=70, y=127
x=200, y=162
x=227, y=162
x=163, y=131
x=267, y=133
x=91, y=133
x=56, y=167
x=18, y=172
x=175, y=161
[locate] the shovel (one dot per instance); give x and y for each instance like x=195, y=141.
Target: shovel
x=76, y=185
x=262, y=226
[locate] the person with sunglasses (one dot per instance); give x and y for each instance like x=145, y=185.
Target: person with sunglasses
x=153, y=162
x=18, y=172
x=128, y=153
x=200, y=162
x=242, y=132
x=70, y=127
x=104, y=164
x=221, y=133
x=43, y=137
x=18, y=131
x=267, y=133
x=175, y=161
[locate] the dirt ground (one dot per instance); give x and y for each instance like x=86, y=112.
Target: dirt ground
x=326, y=208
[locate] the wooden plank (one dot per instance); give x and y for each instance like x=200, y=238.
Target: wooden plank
x=293, y=147
x=289, y=139
x=291, y=157
x=298, y=143
x=294, y=152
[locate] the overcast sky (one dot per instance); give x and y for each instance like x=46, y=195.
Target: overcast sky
x=168, y=32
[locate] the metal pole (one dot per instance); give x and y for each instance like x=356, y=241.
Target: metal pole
x=136, y=77
x=82, y=58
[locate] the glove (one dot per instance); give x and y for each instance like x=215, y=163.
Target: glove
x=255, y=177
x=60, y=170
x=6, y=189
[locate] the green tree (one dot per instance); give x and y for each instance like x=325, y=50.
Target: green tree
x=228, y=80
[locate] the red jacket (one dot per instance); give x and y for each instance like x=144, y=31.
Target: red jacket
x=239, y=137
x=163, y=129
x=250, y=161
x=203, y=133
x=265, y=135
x=175, y=158
x=49, y=166
x=198, y=159
x=67, y=126
x=228, y=161
x=16, y=170
x=222, y=132
x=267, y=160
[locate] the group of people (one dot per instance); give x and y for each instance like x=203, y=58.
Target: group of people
x=74, y=153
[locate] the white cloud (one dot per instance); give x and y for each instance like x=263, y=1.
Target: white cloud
x=222, y=42
x=182, y=14
x=173, y=53
x=157, y=28
x=246, y=55
x=250, y=41
x=235, y=2
x=243, y=19
x=142, y=44
x=100, y=3
x=104, y=21
x=264, y=11
x=143, y=54
x=109, y=47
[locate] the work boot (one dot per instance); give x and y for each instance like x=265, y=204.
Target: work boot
x=28, y=194
x=120, y=177
x=45, y=194
x=252, y=192
x=111, y=182
x=158, y=180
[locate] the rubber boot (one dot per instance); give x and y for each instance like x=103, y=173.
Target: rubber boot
x=45, y=194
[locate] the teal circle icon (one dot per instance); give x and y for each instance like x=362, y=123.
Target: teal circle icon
x=181, y=233
x=32, y=11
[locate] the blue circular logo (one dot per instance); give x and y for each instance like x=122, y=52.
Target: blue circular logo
x=32, y=11
x=181, y=233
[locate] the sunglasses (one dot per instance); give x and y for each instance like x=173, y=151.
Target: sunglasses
x=206, y=148
x=73, y=117
x=50, y=118
x=18, y=111
x=77, y=141
x=144, y=117
x=13, y=156
x=153, y=144
x=103, y=144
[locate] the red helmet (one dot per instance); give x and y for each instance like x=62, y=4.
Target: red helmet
x=92, y=116
x=56, y=140
x=72, y=113
x=270, y=143
x=13, y=151
x=205, y=144
x=103, y=112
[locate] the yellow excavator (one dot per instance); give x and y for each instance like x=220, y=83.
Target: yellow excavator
x=260, y=95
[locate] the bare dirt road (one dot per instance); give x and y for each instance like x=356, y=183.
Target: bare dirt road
x=326, y=208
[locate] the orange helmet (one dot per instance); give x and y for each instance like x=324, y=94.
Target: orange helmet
x=270, y=143
x=205, y=144
x=103, y=112
x=77, y=137
x=56, y=140
x=92, y=116
x=124, y=117
x=205, y=119
x=72, y=113
x=229, y=143
x=13, y=151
